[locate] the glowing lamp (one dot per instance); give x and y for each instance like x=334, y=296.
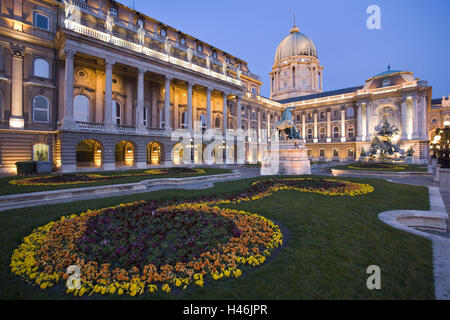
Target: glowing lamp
x=16, y=123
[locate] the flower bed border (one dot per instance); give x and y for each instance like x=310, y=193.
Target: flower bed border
x=213, y=265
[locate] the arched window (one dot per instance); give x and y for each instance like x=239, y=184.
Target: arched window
x=41, y=109
x=351, y=132
x=310, y=135
x=336, y=132
x=183, y=120
x=202, y=120
x=310, y=116
x=322, y=133
x=81, y=108
x=350, y=113
x=217, y=122
x=117, y=112
x=322, y=115
x=41, y=68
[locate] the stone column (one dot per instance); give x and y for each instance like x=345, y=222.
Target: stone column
x=275, y=85
x=425, y=119
x=415, y=134
x=343, y=139
x=321, y=80
x=208, y=108
x=189, y=106
x=68, y=121
x=249, y=119
x=225, y=112
x=315, y=140
x=328, y=126
x=154, y=112
x=368, y=122
x=140, y=102
x=404, y=119
x=359, y=124
x=167, y=125
x=16, y=120
x=316, y=79
x=258, y=128
x=108, y=118
x=304, y=127
x=239, y=112
x=98, y=96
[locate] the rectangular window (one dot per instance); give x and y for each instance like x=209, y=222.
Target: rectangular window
x=145, y=116
x=41, y=21
x=40, y=109
x=309, y=153
x=335, y=153
x=350, y=153
x=114, y=12
x=40, y=152
x=322, y=153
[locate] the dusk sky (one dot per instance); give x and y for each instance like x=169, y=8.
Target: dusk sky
x=414, y=35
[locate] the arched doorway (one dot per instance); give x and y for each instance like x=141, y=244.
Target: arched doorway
x=124, y=154
x=177, y=154
x=89, y=154
x=154, y=153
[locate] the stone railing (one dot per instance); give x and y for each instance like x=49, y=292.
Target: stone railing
x=149, y=51
x=155, y=131
x=89, y=126
x=125, y=129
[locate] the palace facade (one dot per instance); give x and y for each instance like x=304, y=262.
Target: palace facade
x=93, y=84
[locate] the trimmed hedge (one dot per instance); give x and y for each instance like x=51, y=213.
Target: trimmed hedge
x=27, y=167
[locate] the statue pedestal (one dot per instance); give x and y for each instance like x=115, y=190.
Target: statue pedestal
x=289, y=158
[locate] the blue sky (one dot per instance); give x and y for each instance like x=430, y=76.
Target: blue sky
x=414, y=35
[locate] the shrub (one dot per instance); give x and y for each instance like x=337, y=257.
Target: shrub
x=27, y=167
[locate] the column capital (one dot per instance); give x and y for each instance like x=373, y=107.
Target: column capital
x=109, y=63
x=168, y=77
x=17, y=51
x=142, y=70
x=403, y=99
x=189, y=84
x=69, y=52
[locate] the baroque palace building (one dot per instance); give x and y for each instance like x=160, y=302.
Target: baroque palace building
x=93, y=84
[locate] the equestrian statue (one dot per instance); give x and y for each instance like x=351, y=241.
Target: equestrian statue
x=287, y=125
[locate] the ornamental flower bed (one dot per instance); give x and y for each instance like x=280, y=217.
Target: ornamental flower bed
x=65, y=179
x=149, y=246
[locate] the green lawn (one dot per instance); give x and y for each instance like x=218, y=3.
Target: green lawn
x=7, y=188
x=328, y=244
x=398, y=167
